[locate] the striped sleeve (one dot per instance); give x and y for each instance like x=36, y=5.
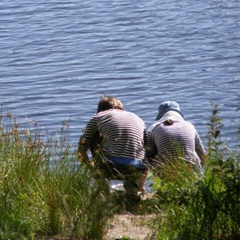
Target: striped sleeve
x=87, y=137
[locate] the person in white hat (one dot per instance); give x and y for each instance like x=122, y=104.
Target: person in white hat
x=171, y=137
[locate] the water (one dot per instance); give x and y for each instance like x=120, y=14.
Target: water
x=59, y=57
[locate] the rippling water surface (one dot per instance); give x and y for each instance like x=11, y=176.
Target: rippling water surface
x=59, y=57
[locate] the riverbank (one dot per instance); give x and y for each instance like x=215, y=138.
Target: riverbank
x=137, y=227
x=124, y=227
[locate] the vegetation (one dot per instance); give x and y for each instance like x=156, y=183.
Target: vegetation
x=45, y=192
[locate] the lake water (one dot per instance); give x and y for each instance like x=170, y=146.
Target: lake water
x=58, y=57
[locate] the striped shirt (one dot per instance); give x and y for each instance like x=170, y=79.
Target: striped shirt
x=171, y=141
x=122, y=134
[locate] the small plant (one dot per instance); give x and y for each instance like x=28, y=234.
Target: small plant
x=124, y=238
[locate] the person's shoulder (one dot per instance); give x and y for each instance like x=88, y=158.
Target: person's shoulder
x=130, y=113
x=98, y=115
x=153, y=125
x=133, y=116
x=190, y=125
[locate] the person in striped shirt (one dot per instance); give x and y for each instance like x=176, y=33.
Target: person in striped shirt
x=116, y=139
x=171, y=137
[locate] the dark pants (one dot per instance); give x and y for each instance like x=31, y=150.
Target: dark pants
x=133, y=179
x=133, y=176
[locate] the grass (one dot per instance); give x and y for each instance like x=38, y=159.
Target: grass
x=45, y=192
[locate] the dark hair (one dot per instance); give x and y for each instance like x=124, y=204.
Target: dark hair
x=109, y=102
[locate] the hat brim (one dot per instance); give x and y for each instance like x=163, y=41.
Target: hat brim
x=160, y=115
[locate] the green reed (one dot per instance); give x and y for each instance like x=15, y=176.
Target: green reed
x=44, y=189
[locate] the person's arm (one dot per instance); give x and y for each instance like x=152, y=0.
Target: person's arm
x=82, y=157
x=200, y=150
x=150, y=147
x=86, y=140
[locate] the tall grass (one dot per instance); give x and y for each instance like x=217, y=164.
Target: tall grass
x=201, y=206
x=44, y=190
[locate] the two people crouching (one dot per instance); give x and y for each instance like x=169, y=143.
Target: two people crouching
x=120, y=143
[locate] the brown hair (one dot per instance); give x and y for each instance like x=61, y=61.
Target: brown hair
x=109, y=102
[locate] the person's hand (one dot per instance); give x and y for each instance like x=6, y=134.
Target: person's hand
x=92, y=163
x=82, y=157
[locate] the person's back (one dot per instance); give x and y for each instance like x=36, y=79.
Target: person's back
x=172, y=138
x=177, y=140
x=122, y=133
